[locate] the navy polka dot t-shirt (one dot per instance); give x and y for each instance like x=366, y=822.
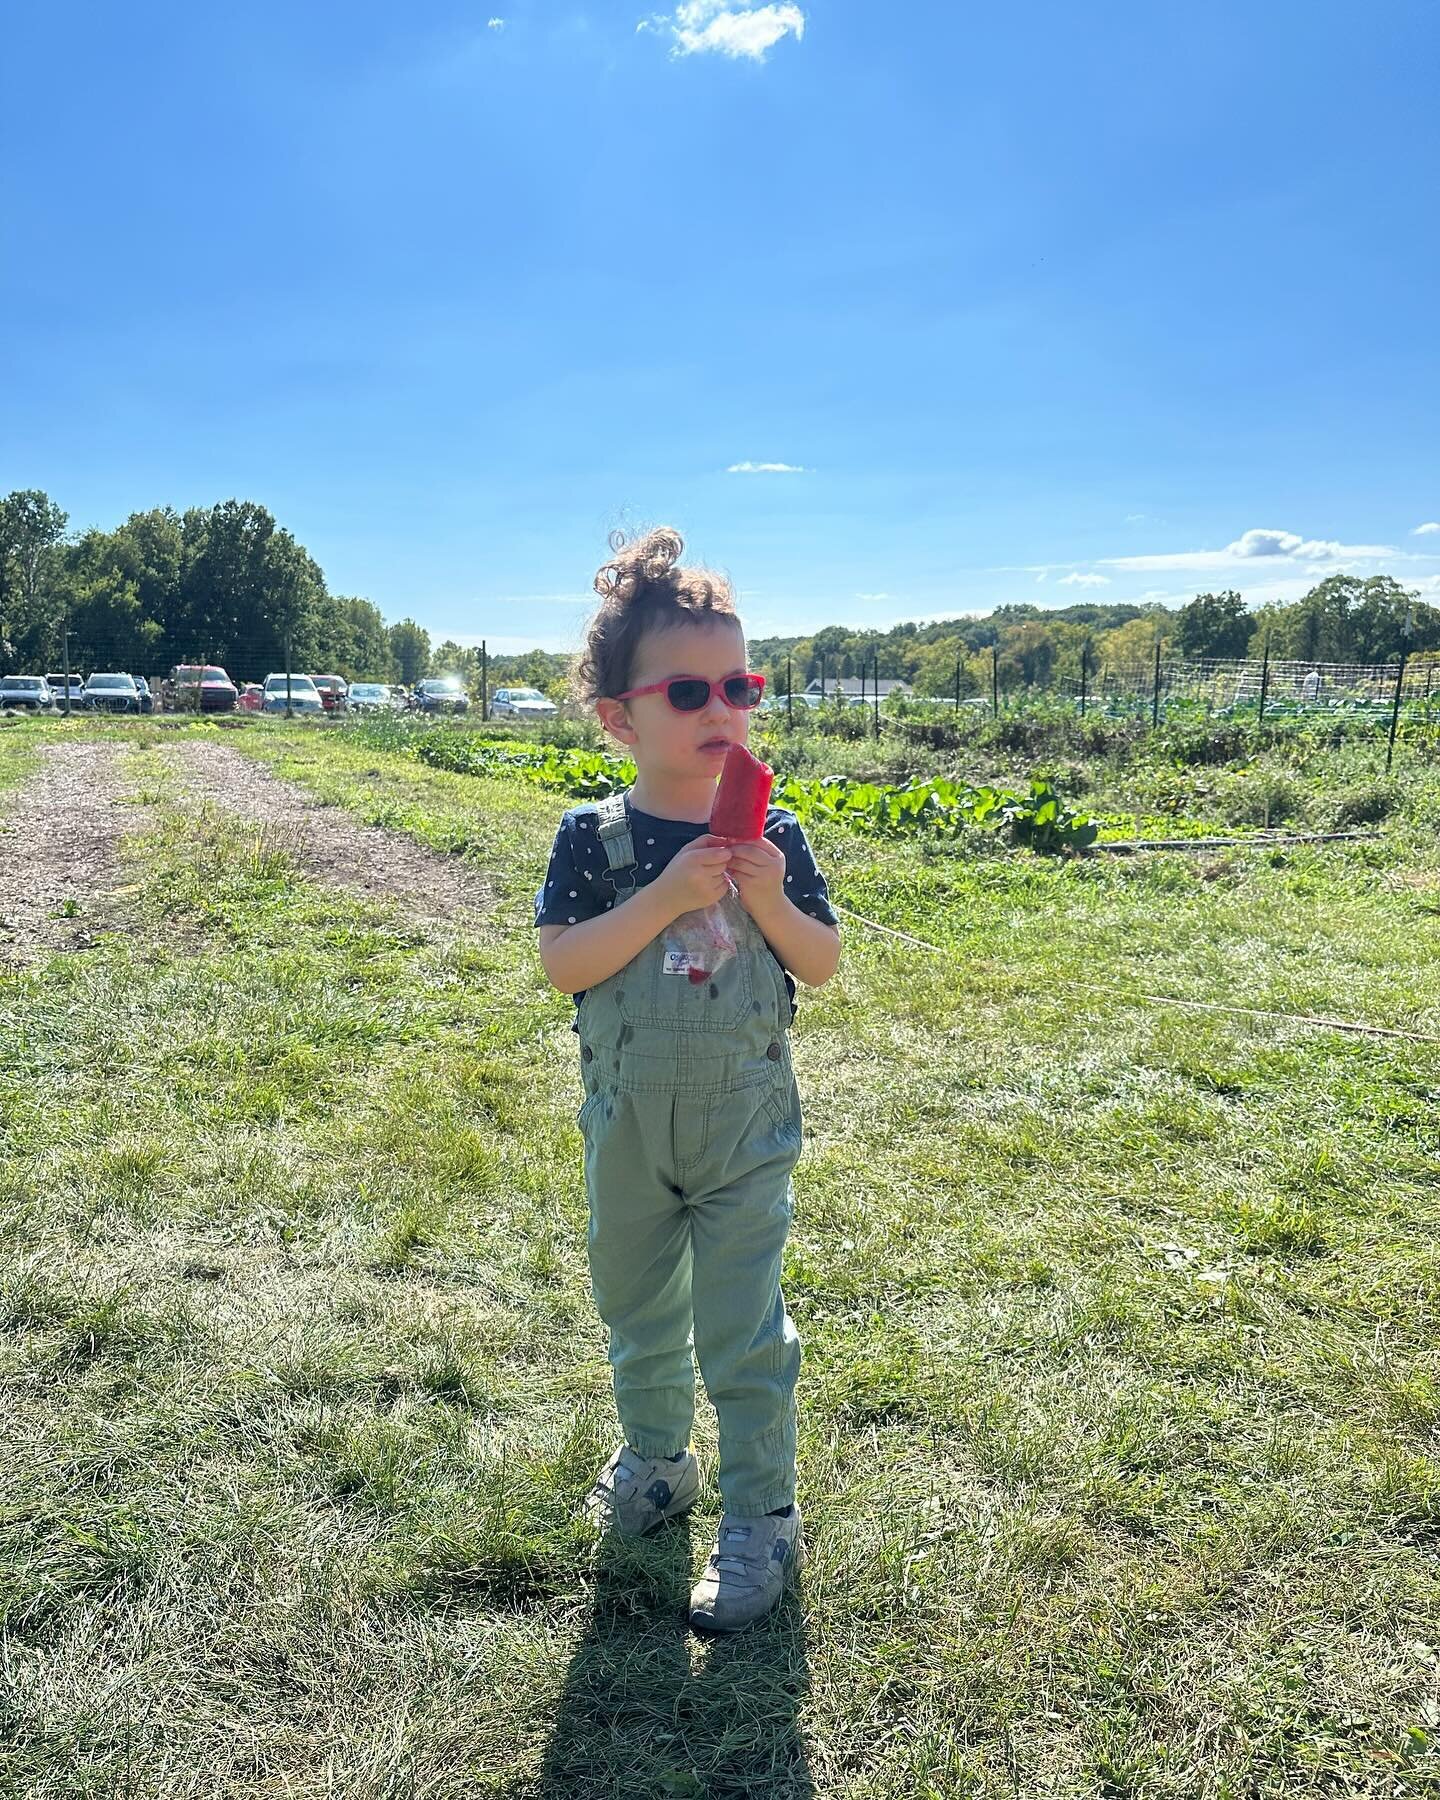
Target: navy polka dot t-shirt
x=575, y=888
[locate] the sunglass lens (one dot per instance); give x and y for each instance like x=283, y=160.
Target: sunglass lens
x=688, y=696
x=743, y=690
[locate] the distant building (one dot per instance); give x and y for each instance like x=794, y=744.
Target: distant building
x=853, y=688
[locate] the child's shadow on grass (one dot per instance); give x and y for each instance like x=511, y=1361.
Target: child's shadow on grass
x=649, y=1709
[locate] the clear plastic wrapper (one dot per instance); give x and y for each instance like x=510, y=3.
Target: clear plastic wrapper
x=698, y=943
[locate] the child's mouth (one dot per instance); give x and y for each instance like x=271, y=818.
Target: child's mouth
x=715, y=747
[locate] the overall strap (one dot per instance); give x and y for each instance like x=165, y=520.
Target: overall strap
x=614, y=833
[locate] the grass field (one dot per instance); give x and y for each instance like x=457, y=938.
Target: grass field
x=1122, y=1385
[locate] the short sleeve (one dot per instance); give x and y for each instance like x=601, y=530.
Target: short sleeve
x=573, y=890
x=804, y=884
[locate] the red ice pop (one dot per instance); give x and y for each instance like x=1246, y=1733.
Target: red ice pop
x=743, y=797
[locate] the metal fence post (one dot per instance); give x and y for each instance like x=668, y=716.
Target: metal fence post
x=65, y=650
x=1155, y=691
x=789, y=691
x=1395, y=709
x=994, y=681
x=1399, y=683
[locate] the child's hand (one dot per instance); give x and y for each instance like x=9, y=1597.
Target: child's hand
x=758, y=871
x=695, y=878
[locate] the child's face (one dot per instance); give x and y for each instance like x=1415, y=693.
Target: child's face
x=678, y=745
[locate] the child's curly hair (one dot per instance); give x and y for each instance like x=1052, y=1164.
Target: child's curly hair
x=641, y=590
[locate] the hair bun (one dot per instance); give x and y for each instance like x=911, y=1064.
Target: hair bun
x=637, y=563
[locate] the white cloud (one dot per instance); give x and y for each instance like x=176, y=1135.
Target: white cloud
x=1134, y=518
x=1428, y=529
x=755, y=468
x=873, y=596
x=497, y=24
x=701, y=25
x=1261, y=543
x=1076, y=579
x=1286, y=543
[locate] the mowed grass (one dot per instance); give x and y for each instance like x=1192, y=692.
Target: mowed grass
x=18, y=750
x=1121, y=1395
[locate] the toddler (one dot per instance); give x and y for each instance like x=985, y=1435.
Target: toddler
x=691, y=1117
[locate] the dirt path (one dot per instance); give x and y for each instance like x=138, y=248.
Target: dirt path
x=58, y=864
x=329, y=843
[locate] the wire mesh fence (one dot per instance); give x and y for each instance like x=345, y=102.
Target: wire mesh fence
x=1226, y=683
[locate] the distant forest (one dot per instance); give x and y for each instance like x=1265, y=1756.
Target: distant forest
x=226, y=584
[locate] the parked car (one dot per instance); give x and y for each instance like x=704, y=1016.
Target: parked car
x=333, y=690
x=147, y=699
x=57, y=688
x=32, y=691
x=521, y=703
x=370, y=696
x=112, y=693
x=303, y=695
x=202, y=688
x=252, y=697
x=445, y=695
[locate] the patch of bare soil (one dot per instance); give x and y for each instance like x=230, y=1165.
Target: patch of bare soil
x=330, y=844
x=58, y=864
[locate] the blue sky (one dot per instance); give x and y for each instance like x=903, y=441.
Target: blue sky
x=1031, y=303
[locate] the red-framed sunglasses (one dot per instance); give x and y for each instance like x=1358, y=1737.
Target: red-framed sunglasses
x=689, y=693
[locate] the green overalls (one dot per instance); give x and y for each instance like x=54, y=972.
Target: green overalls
x=691, y=1121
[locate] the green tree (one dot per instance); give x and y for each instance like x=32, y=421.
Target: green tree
x=410, y=651
x=31, y=528
x=1346, y=620
x=1132, y=645
x=1027, y=654
x=227, y=569
x=351, y=640
x=287, y=610
x=109, y=628
x=1379, y=618
x=1214, y=625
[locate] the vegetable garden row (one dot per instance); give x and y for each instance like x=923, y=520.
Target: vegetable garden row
x=1039, y=819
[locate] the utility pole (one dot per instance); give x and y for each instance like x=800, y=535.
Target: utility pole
x=877, y=693
x=484, y=683
x=994, y=681
x=1084, y=670
x=789, y=691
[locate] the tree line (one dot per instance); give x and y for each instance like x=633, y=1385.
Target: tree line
x=221, y=584
x=226, y=584
x=1343, y=619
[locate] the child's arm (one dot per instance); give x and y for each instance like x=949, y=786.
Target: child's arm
x=579, y=956
x=809, y=948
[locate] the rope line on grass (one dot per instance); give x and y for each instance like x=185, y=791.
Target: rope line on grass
x=1091, y=987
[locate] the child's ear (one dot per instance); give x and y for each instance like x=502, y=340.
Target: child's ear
x=616, y=720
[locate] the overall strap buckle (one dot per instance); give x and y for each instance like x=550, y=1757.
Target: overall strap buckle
x=613, y=830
